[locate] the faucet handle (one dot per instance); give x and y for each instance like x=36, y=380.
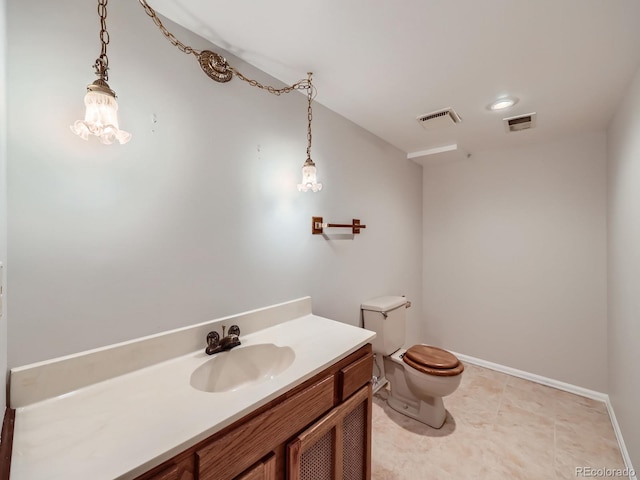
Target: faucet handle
x=234, y=330
x=213, y=338
x=213, y=341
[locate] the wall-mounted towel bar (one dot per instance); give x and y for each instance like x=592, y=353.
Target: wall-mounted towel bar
x=317, y=225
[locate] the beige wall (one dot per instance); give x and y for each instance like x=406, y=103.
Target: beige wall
x=624, y=266
x=515, y=258
x=198, y=216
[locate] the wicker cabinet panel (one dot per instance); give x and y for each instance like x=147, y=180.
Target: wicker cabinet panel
x=338, y=446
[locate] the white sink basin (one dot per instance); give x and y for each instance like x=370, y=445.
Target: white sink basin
x=241, y=367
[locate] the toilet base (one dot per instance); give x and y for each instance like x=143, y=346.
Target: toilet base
x=379, y=383
x=426, y=408
x=429, y=411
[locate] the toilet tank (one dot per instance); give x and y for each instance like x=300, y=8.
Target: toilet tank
x=386, y=316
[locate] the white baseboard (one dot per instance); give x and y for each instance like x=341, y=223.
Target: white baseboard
x=567, y=387
x=550, y=382
x=623, y=447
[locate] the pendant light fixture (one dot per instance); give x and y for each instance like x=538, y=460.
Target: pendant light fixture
x=309, y=179
x=101, y=114
x=216, y=67
x=101, y=117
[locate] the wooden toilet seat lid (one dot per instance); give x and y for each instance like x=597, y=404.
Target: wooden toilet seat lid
x=433, y=361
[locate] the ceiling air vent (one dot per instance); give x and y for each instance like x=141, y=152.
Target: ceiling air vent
x=520, y=122
x=439, y=118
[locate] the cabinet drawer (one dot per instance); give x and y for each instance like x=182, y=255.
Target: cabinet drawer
x=355, y=375
x=243, y=446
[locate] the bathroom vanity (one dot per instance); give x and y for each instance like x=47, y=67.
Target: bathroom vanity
x=326, y=420
x=293, y=399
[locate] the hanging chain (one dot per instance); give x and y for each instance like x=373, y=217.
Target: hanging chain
x=300, y=85
x=102, y=62
x=170, y=36
x=216, y=66
x=310, y=95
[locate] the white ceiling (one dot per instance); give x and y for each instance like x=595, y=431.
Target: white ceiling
x=381, y=63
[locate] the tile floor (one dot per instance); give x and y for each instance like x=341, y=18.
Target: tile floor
x=498, y=427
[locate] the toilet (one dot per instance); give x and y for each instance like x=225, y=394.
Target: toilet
x=418, y=376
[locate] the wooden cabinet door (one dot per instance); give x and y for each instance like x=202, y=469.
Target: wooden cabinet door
x=263, y=470
x=338, y=446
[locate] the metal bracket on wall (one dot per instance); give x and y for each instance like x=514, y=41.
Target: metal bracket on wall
x=317, y=226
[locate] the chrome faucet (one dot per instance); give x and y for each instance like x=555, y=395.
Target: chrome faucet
x=215, y=345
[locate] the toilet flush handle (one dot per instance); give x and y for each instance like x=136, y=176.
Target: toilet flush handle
x=408, y=304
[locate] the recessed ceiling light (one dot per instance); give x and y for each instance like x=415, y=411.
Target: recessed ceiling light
x=502, y=103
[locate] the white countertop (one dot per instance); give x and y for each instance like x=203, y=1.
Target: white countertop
x=124, y=426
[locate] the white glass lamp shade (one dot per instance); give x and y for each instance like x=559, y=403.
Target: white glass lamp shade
x=100, y=119
x=309, y=179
